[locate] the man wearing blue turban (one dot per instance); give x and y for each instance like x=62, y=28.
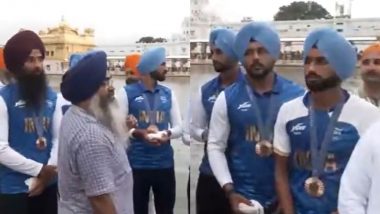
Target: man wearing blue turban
x=226, y=64
x=158, y=121
x=315, y=134
x=74, y=59
x=242, y=120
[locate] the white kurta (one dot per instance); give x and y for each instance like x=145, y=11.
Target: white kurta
x=360, y=183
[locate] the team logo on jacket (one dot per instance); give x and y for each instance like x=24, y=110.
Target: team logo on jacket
x=244, y=106
x=20, y=104
x=338, y=131
x=298, y=128
x=139, y=99
x=212, y=98
x=49, y=103
x=164, y=99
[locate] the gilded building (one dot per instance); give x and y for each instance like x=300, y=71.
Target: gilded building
x=63, y=40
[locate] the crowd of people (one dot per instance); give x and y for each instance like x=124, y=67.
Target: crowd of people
x=270, y=145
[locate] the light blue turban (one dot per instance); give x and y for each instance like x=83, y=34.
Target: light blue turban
x=335, y=48
x=261, y=32
x=151, y=59
x=224, y=39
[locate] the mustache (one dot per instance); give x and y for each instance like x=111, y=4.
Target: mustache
x=257, y=64
x=372, y=73
x=38, y=70
x=313, y=75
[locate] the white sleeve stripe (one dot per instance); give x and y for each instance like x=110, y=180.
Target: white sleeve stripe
x=217, y=140
x=176, y=121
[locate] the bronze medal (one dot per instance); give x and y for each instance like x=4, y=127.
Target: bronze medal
x=41, y=143
x=264, y=148
x=314, y=187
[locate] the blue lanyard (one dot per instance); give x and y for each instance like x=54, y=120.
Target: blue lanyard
x=263, y=126
x=318, y=157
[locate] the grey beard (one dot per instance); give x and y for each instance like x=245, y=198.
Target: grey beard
x=109, y=116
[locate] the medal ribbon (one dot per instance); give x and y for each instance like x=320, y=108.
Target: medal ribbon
x=318, y=157
x=38, y=124
x=264, y=127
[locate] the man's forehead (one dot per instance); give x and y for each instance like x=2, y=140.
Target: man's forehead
x=372, y=55
x=314, y=52
x=255, y=44
x=35, y=53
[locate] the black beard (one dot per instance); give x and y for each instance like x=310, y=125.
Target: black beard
x=220, y=67
x=255, y=75
x=319, y=84
x=157, y=76
x=32, y=88
x=252, y=71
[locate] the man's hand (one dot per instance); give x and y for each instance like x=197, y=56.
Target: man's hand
x=165, y=136
x=160, y=137
x=131, y=121
x=150, y=140
x=47, y=173
x=37, y=187
x=235, y=199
